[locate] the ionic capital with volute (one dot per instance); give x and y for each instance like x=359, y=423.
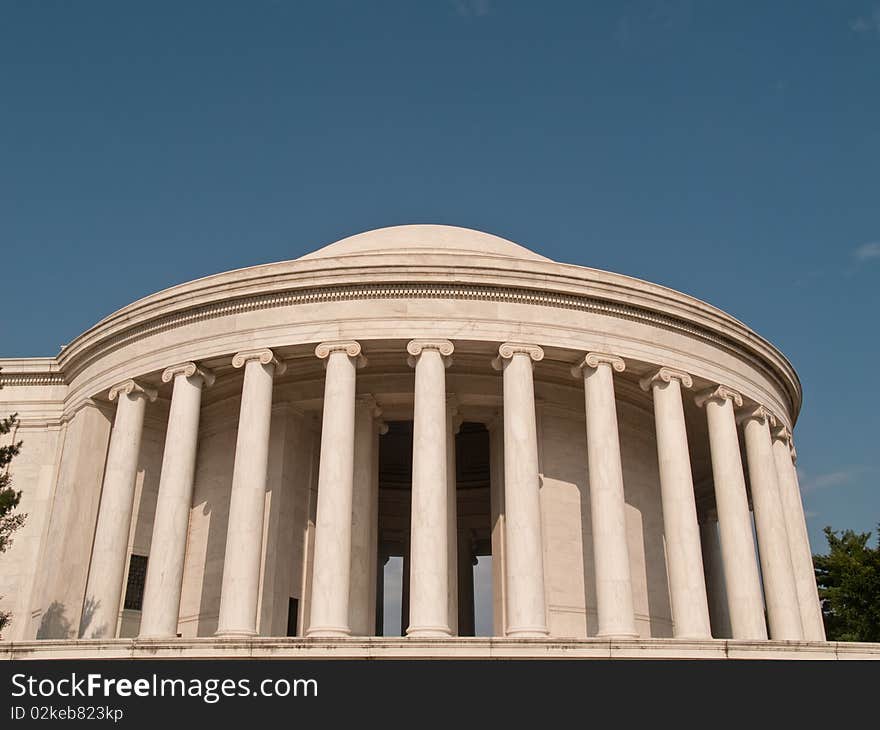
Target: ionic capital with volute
x=416, y=347
x=264, y=355
x=508, y=349
x=665, y=375
x=758, y=413
x=189, y=370
x=452, y=409
x=593, y=360
x=368, y=401
x=781, y=433
x=495, y=422
x=132, y=387
x=349, y=347
x=718, y=393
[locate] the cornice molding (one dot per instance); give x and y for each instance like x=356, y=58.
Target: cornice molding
x=105, y=408
x=31, y=379
x=405, y=291
x=115, y=332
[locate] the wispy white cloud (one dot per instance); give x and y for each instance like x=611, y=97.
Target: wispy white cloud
x=867, y=24
x=472, y=8
x=839, y=478
x=867, y=251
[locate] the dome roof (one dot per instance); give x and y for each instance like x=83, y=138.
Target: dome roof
x=425, y=239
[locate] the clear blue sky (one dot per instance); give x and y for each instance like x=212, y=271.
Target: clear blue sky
x=726, y=149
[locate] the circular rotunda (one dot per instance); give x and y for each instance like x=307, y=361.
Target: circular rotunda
x=232, y=465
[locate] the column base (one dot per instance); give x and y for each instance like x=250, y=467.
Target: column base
x=528, y=632
x=234, y=634
x=155, y=637
x=441, y=632
x=692, y=637
x=328, y=632
x=617, y=635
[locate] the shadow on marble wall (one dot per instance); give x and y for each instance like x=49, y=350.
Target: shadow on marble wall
x=55, y=624
x=213, y=490
x=209, y=599
x=86, y=630
x=642, y=493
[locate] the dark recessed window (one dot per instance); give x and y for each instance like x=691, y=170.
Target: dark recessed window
x=292, y=610
x=137, y=576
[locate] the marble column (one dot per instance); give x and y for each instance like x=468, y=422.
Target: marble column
x=453, y=423
x=743, y=585
x=377, y=566
x=714, y=571
x=496, y=499
x=684, y=561
x=780, y=592
x=614, y=598
x=331, y=575
x=110, y=548
x=798, y=541
x=168, y=544
x=524, y=558
x=429, y=525
x=239, y=592
x=363, y=527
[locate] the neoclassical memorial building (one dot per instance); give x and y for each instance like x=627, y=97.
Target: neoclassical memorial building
x=225, y=467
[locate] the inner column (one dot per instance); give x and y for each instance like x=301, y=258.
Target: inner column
x=473, y=529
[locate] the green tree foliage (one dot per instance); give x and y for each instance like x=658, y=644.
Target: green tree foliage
x=10, y=520
x=849, y=586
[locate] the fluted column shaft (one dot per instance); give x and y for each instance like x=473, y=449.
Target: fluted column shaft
x=429, y=525
x=110, y=548
x=743, y=585
x=780, y=591
x=161, y=604
x=681, y=530
x=524, y=558
x=239, y=594
x=363, y=514
x=331, y=575
x=614, y=598
x=798, y=540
